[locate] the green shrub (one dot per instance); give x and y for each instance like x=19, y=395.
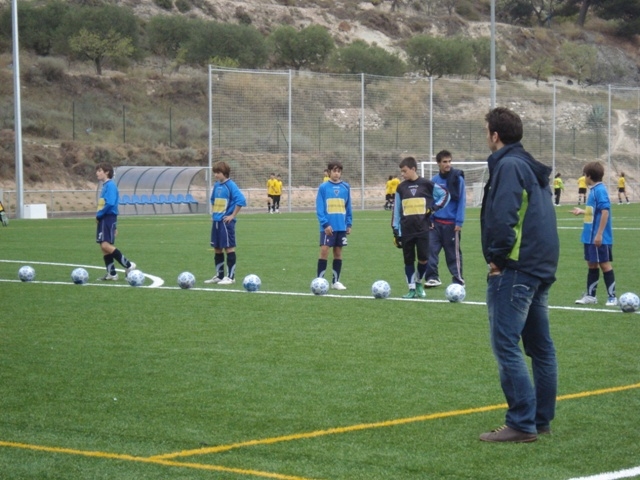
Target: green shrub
x=183, y=6
x=164, y=4
x=52, y=69
x=465, y=9
x=243, y=17
x=380, y=21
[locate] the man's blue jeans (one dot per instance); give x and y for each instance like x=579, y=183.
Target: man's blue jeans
x=519, y=308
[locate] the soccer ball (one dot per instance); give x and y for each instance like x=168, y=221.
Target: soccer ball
x=319, y=286
x=80, y=276
x=186, y=280
x=135, y=278
x=251, y=283
x=629, y=302
x=380, y=289
x=455, y=292
x=26, y=273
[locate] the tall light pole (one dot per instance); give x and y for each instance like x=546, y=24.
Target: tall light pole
x=17, y=120
x=492, y=73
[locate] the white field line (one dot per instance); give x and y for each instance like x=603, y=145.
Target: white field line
x=628, y=473
x=155, y=281
x=158, y=282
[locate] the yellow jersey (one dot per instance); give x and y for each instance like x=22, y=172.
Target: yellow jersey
x=558, y=184
x=392, y=186
x=621, y=182
x=582, y=182
x=272, y=187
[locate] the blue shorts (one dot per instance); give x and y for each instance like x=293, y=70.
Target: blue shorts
x=106, y=231
x=338, y=239
x=601, y=254
x=223, y=235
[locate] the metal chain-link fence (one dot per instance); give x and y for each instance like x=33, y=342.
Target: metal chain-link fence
x=292, y=123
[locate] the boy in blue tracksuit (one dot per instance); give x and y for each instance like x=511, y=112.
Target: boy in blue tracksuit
x=226, y=202
x=446, y=226
x=333, y=209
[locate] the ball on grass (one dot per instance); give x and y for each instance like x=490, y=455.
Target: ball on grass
x=26, y=273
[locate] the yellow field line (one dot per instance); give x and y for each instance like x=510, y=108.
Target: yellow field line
x=329, y=431
x=367, y=426
x=165, y=459
x=571, y=396
x=151, y=460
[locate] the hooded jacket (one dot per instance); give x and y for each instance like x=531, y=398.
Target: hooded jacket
x=518, y=219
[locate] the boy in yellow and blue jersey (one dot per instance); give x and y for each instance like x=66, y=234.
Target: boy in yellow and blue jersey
x=107, y=220
x=333, y=209
x=416, y=199
x=226, y=202
x=597, y=237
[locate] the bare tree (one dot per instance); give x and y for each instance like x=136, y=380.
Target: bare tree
x=450, y=5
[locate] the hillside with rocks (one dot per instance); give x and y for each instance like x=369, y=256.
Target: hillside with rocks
x=386, y=24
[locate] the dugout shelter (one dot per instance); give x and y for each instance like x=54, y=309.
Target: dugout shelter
x=161, y=190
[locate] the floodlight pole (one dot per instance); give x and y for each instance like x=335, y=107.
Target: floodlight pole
x=553, y=137
x=609, y=179
x=362, y=117
x=430, y=126
x=289, y=143
x=17, y=121
x=493, y=54
x=208, y=175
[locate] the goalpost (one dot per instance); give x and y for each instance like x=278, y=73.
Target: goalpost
x=476, y=175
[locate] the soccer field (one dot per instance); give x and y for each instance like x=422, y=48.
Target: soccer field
x=108, y=381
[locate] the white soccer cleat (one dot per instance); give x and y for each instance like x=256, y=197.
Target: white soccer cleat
x=338, y=286
x=109, y=277
x=612, y=302
x=129, y=268
x=227, y=281
x=587, y=300
x=215, y=279
x=432, y=282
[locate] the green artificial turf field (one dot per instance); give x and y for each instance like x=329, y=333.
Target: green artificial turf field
x=108, y=381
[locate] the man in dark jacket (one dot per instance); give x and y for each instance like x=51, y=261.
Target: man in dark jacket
x=521, y=247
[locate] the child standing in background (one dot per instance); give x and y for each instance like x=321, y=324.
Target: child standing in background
x=597, y=237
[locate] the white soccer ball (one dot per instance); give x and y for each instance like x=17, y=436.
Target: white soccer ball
x=186, y=280
x=26, y=273
x=251, y=283
x=319, y=286
x=455, y=292
x=629, y=302
x=380, y=289
x=135, y=278
x=80, y=276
